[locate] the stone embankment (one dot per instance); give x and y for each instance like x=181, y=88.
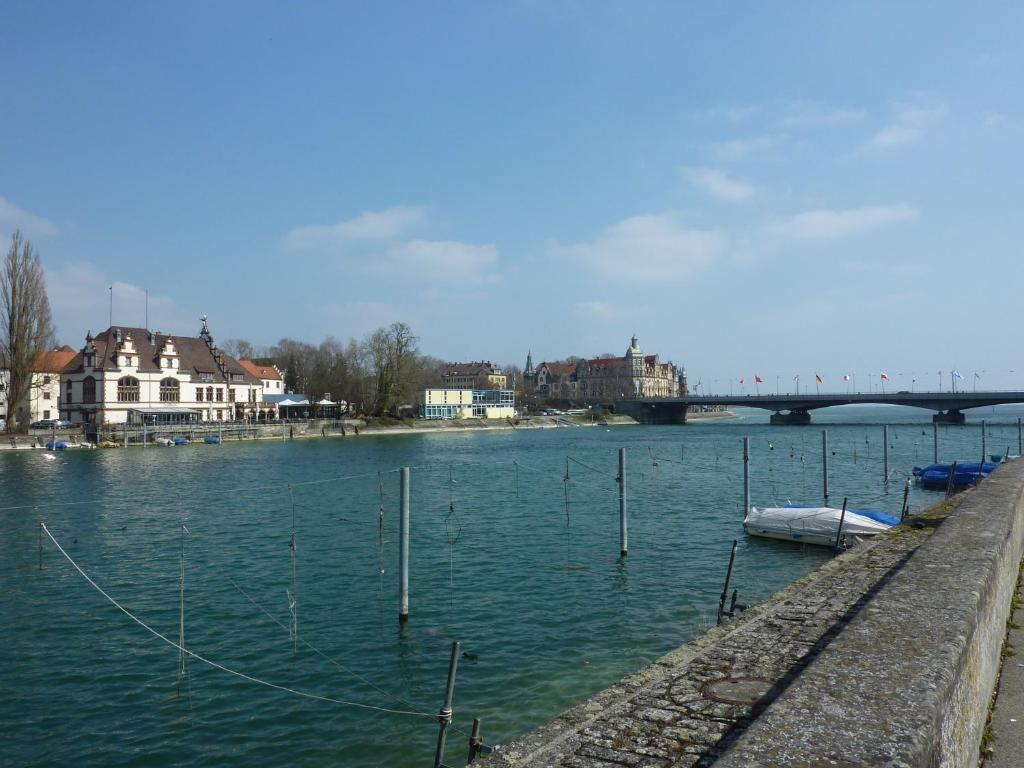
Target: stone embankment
x=232, y=431
x=887, y=655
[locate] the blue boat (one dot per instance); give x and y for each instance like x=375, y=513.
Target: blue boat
x=60, y=445
x=936, y=476
x=212, y=440
x=179, y=440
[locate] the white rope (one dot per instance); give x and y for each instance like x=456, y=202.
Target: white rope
x=214, y=664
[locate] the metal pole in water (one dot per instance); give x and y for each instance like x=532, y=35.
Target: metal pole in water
x=935, y=442
x=623, y=537
x=984, y=453
x=474, y=741
x=403, y=549
x=445, y=715
x=728, y=578
x=885, y=452
x=746, y=477
x=906, y=495
x=824, y=462
x=839, y=530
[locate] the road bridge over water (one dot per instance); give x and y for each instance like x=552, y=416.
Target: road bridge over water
x=796, y=408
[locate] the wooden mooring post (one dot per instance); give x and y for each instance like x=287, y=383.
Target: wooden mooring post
x=935, y=443
x=984, y=452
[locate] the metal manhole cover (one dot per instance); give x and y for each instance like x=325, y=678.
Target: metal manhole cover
x=737, y=690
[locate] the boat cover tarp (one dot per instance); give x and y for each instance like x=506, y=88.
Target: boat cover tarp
x=816, y=525
x=869, y=513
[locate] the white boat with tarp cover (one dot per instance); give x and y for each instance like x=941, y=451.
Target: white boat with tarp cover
x=815, y=525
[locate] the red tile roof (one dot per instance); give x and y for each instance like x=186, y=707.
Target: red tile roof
x=53, y=361
x=268, y=372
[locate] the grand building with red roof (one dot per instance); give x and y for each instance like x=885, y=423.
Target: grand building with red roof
x=609, y=378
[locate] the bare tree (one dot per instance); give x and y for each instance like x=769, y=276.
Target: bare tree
x=393, y=357
x=240, y=349
x=26, y=326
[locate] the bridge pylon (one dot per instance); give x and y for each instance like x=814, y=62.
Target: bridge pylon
x=952, y=416
x=796, y=416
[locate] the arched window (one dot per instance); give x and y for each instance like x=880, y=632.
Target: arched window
x=89, y=390
x=128, y=389
x=170, y=392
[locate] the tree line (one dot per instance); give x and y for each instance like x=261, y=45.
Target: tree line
x=384, y=373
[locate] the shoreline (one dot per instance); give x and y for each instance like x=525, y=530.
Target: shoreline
x=38, y=442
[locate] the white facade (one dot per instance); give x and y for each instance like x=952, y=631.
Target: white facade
x=136, y=376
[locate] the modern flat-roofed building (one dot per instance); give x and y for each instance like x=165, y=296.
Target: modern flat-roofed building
x=469, y=403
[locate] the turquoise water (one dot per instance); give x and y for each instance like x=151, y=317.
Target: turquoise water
x=507, y=556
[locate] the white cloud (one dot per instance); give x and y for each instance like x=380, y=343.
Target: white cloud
x=826, y=225
x=448, y=260
x=805, y=114
x=12, y=217
x=371, y=225
x=738, y=149
x=647, y=248
x=79, y=298
x=909, y=125
x=592, y=309
x=719, y=185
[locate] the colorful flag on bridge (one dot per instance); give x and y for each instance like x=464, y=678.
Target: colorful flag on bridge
x=846, y=377
x=956, y=374
x=758, y=379
x=884, y=375
x=742, y=381
x=817, y=378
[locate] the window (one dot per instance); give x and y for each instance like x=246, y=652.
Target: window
x=220, y=415
x=46, y=394
x=199, y=394
x=238, y=377
x=220, y=394
x=206, y=377
x=88, y=389
x=128, y=389
x=231, y=395
x=209, y=394
x=46, y=414
x=67, y=397
x=46, y=379
x=170, y=390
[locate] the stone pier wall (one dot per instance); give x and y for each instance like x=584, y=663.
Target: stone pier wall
x=886, y=655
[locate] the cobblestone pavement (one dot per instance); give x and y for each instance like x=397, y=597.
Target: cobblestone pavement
x=687, y=707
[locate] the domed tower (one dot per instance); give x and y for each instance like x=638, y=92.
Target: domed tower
x=635, y=363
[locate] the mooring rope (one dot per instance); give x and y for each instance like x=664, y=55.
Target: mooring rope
x=217, y=665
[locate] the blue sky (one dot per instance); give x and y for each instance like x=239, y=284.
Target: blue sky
x=750, y=188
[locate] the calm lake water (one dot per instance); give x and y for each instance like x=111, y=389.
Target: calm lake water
x=508, y=556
